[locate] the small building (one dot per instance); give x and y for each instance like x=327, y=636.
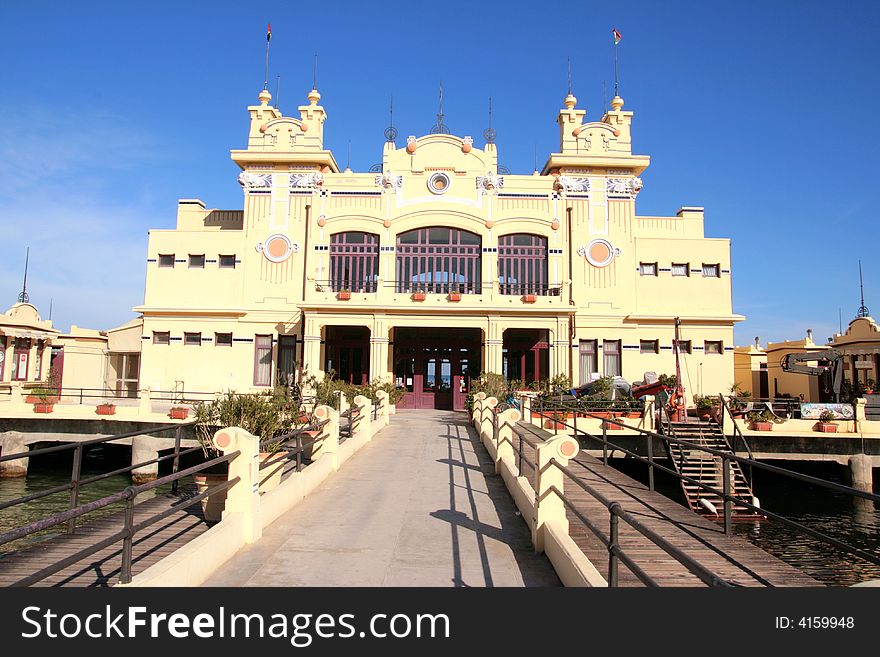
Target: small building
x=859, y=346
x=750, y=370
x=25, y=344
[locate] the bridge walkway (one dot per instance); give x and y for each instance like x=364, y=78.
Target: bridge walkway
x=420, y=505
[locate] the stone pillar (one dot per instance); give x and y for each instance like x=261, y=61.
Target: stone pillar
x=244, y=497
x=650, y=411
x=363, y=418
x=312, y=347
x=341, y=401
x=477, y=409
x=504, y=440
x=549, y=507
x=383, y=417
x=487, y=428
x=9, y=359
x=379, y=350
x=861, y=468
x=859, y=406
x=145, y=403
x=144, y=448
x=329, y=445
x=492, y=355
x=12, y=442
x=32, y=374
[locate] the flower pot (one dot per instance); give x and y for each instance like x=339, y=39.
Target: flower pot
x=826, y=427
x=418, y=296
x=105, y=409
x=213, y=505
x=611, y=427
x=43, y=407
x=529, y=298
x=634, y=415
x=178, y=413
x=762, y=426
x=344, y=295
x=454, y=296
x=554, y=424
x=603, y=414
x=31, y=399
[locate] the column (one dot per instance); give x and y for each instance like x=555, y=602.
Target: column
x=32, y=374
x=492, y=345
x=379, y=350
x=312, y=346
x=9, y=359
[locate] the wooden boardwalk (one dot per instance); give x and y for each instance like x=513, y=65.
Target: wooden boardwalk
x=732, y=558
x=102, y=568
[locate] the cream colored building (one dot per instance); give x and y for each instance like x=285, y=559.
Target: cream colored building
x=25, y=344
x=434, y=268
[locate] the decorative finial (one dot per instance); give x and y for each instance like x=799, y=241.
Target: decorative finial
x=314, y=96
x=440, y=127
x=616, y=103
x=264, y=97
x=391, y=131
x=489, y=133
x=23, y=297
x=570, y=101
x=863, y=309
x=757, y=342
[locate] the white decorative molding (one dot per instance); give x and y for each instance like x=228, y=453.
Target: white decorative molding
x=468, y=140
x=410, y=139
x=599, y=252
x=623, y=186
x=489, y=182
x=389, y=181
x=277, y=248
x=313, y=179
x=572, y=184
x=250, y=180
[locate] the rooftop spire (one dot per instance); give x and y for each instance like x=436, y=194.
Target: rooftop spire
x=23, y=297
x=391, y=131
x=863, y=309
x=489, y=133
x=440, y=127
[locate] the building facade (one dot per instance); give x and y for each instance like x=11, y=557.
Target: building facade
x=434, y=268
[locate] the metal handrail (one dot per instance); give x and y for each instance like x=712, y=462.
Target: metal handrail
x=731, y=499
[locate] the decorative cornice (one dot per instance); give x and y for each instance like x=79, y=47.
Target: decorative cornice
x=250, y=180
x=313, y=179
x=628, y=187
x=572, y=184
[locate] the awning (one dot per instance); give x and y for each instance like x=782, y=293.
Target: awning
x=33, y=334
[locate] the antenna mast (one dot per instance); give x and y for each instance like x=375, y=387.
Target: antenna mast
x=23, y=297
x=863, y=309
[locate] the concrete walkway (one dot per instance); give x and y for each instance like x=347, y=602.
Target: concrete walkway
x=418, y=506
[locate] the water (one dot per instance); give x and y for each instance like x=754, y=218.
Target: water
x=52, y=470
x=855, y=522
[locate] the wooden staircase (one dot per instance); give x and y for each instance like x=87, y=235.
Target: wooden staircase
x=706, y=468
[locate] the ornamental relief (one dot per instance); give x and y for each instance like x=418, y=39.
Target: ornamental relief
x=313, y=179
x=389, y=181
x=489, y=182
x=572, y=184
x=250, y=180
x=623, y=186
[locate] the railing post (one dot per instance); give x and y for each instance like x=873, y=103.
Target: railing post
x=613, y=544
x=477, y=409
x=504, y=437
x=175, y=466
x=244, y=497
x=128, y=541
x=725, y=487
x=342, y=401
x=486, y=426
x=526, y=407
x=364, y=418
x=650, y=462
x=145, y=404
x=549, y=507
x=74, y=488
x=648, y=422
x=604, y=443
x=384, y=418
x=330, y=432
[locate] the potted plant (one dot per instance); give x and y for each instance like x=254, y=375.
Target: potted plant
x=178, y=413
x=825, y=423
x=555, y=421
x=704, y=406
x=107, y=408
x=343, y=294
x=418, y=296
x=454, y=294
x=636, y=408
x=529, y=298
x=761, y=421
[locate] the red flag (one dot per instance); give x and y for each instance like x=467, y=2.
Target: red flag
x=269, y=33
x=616, y=35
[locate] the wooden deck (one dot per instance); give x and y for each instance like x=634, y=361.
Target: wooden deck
x=732, y=558
x=102, y=568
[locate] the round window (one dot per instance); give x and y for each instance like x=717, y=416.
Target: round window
x=600, y=253
x=438, y=183
x=276, y=248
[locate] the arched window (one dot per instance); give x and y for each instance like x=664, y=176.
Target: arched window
x=522, y=264
x=438, y=260
x=354, y=262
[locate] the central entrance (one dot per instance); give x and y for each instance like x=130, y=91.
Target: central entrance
x=435, y=366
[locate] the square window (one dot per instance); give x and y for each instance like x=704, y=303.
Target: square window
x=161, y=337
x=680, y=269
x=713, y=347
x=197, y=261
x=223, y=339
x=649, y=346
x=227, y=262
x=166, y=259
x=611, y=357
x=192, y=339
x=648, y=268
x=711, y=271
x=684, y=346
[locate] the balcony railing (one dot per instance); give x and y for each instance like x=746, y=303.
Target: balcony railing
x=436, y=287
x=520, y=289
x=347, y=284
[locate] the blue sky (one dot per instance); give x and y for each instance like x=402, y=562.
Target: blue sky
x=763, y=112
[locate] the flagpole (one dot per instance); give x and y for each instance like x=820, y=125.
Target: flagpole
x=615, y=63
x=268, y=41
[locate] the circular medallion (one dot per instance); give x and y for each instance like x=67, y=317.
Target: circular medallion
x=600, y=253
x=276, y=248
x=438, y=182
